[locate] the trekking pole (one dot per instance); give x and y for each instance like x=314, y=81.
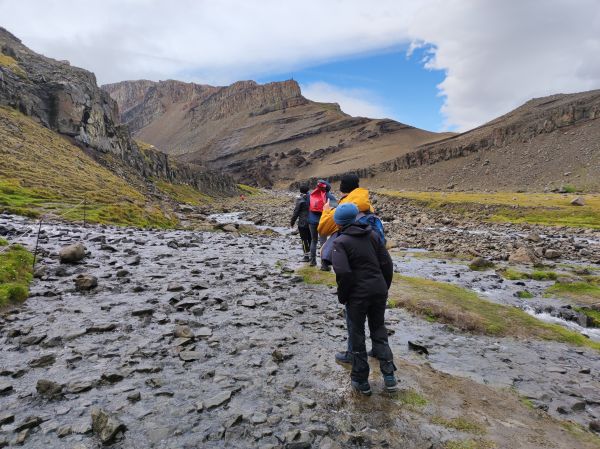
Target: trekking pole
x=37, y=240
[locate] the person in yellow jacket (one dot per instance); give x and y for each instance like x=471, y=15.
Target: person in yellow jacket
x=352, y=194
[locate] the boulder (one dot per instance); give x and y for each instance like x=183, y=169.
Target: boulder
x=105, y=426
x=72, y=253
x=578, y=202
x=86, y=282
x=552, y=254
x=522, y=255
x=229, y=228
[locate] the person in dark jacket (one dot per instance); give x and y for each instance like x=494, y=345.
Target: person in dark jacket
x=313, y=221
x=301, y=214
x=364, y=272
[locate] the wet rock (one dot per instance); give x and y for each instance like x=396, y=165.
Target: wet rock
x=189, y=356
x=183, y=332
x=49, y=389
x=112, y=377
x=248, y=303
x=522, y=255
x=85, y=282
x=40, y=271
x=552, y=254
x=595, y=426
x=174, y=287
x=145, y=311
x=134, y=397
x=298, y=439
x=43, y=361
x=29, y=423
x=5, y=388
x=105, y=426
x=79, y=386
x=6, y=418
x=203, y=332
x=578, y=201
x=279, y=355
x=217, y=400
x=72, y=253
x=64, y=431
x=99, y=328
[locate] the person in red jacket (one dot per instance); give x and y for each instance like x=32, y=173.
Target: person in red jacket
x=364, y=271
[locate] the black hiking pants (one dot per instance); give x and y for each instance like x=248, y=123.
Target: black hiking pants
x=373, y=310
x=306, y=238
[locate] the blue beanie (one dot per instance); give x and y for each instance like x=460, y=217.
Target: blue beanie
x=345, y=214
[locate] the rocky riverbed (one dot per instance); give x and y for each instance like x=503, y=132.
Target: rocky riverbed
x=182, y=339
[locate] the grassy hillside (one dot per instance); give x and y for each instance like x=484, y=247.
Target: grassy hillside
x=552, y=209
x=41, y=172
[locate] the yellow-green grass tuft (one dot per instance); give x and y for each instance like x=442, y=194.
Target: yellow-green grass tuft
x=15, y=273
x=469, y=444
x=464, y=309
x=461, y=424
x=248, y=190
x=12, y=65
x=183, y=193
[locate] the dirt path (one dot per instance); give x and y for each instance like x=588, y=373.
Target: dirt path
x=204, y=340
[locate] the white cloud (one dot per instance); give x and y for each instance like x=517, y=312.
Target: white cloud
x=496, y=54
x=357, y=102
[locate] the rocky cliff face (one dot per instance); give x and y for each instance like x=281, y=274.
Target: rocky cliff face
x=67, y=100
x=542, y=145
x=261, y=134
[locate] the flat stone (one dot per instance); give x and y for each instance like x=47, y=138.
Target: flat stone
x=204, y=331
x=43, y=361
x=6, y=418
x=143, y=312
x=99, y=328
x=173, y=287
x=250, y=303
x=258, y=418
x=29, y=423
x=218, y=399
x=5, y=388
x=79, y=386
x=188, y=356
x=183, y=332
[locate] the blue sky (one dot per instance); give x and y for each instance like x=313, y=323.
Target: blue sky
x=391, y=83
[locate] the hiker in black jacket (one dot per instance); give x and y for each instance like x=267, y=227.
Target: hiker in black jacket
x=364, y=272
x=301, y=214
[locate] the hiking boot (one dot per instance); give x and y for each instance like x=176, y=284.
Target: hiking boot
x=325, y=268
x=305, y=258
x=312, y=263
x=370, y=353
x=390, y=383
x=362, y=387
x=343, y=357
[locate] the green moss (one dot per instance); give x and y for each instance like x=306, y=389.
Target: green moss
x=512, y=275
x=524, y=294
x=569, y=189
x=15, y=274
x=312, y=275
x=412, y=398
x=3, y=242
x=461, y=424
x=539, y=275
x=593, y=315
x=585, y=292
